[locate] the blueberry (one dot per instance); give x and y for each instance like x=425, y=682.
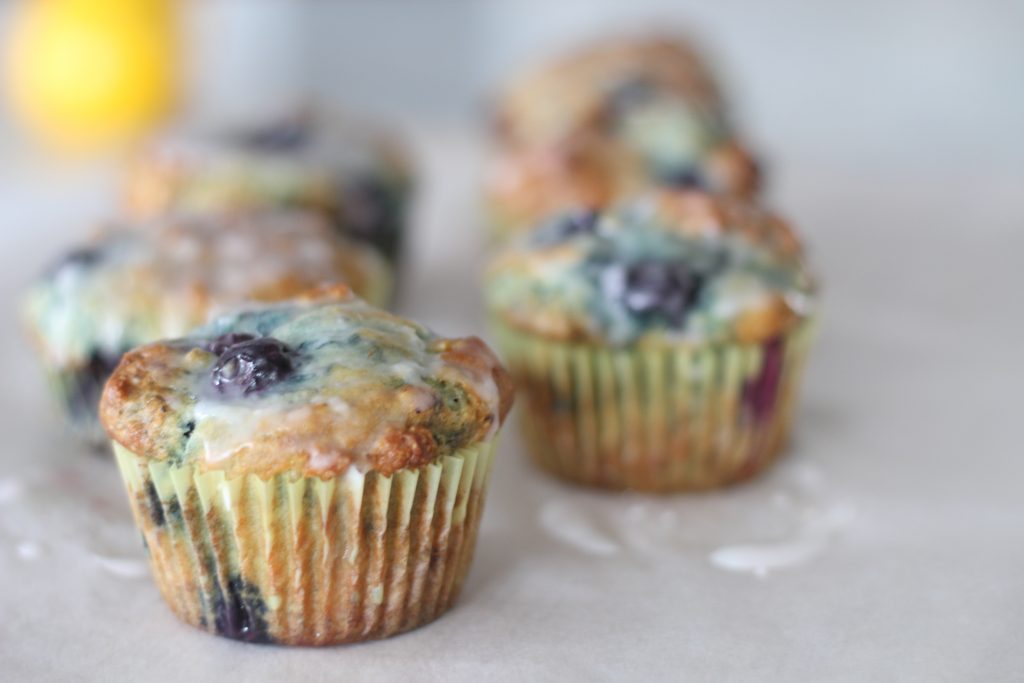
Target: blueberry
x=683, y=178
x=285, y=136
x=365, y=201
x=225, y=341
x=83, y=257
x=239, y=611
x=650, y=288
x=630, y=93
x=252, y=365
x=566, y=226
x=372, y=212
x=85, y=384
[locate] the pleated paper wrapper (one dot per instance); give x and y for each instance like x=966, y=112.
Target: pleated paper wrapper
x=309, y=561
x=658, y=419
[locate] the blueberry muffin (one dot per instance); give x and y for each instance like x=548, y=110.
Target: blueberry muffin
x=607, y=121
x=359, y=180
x=131, y=286
x=308, y=472
x=658, y=344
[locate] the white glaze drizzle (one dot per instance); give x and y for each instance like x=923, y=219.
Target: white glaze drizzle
x=146, y=281
x=338, y=369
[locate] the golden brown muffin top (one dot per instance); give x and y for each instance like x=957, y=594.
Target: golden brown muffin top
x=308, y=161
x=607, y=121
x=528, y=184
x=312, y=387
x=662, y=268
x=577, y=92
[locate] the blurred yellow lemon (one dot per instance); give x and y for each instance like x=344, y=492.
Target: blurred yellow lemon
x=89, y=72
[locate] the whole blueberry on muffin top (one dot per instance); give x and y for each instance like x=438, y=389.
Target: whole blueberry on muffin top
x=252, y=365
x=313, y=385
x=667, y=266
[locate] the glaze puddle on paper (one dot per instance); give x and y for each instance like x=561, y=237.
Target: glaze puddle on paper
x=773, y=525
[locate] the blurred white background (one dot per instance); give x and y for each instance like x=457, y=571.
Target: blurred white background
x=935, y=81
x=944, y=73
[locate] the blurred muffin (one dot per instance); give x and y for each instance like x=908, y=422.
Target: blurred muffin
x=132, y=286
x=658, y=345
x=607, y=121
x=309, y=472
x=580, y=90
x=360, y=181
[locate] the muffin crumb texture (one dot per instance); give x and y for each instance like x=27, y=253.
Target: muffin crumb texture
x=309, y=387
x=666, y=268
x=610, y=120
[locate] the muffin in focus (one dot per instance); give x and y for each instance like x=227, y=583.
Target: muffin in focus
x=359, y=180
x=131, y=286
x=657, y=345
x=309, y=472
x=607, y=121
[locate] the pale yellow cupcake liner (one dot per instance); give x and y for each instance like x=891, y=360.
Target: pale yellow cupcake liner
x=666, y=419
x=309, y=561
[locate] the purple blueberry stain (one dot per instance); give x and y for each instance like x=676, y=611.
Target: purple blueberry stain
x=156, y=508
x=239, y=612
x=252, y=365
x=760, y=392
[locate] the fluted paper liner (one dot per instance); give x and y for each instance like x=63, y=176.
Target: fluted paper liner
x=667, y=419
x=304, y=560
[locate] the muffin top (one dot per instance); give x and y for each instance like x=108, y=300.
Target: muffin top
x=613, y=118
x=131, y=286
x=327, y=165
x=528, y=184
x=667, y=267
x=604, y=81
x=310, y=386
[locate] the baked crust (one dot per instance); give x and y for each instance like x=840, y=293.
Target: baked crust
x=550, y=289
x=230, y=171
x=395, y=398
x=567, y=97
x=561, y=142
